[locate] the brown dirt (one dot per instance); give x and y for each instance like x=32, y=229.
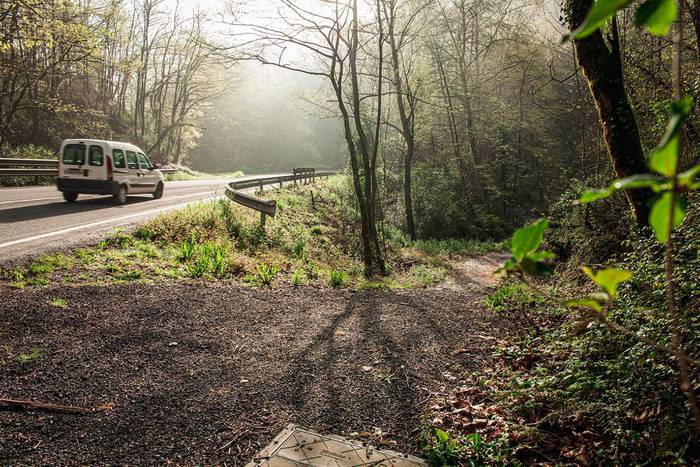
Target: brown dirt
x=205, y=373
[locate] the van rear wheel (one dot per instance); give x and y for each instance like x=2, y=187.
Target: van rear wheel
x=70, y=196
x=120, y=196
x=158, y=193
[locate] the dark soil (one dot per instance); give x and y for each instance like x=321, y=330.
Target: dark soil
x=205, y=373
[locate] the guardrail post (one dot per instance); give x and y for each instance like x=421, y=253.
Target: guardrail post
x=262, y=219
x=261, y=186
x=280, y=182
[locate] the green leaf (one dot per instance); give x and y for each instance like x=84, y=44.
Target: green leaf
x=657, y=16
x=441, y=435
x=584, y=303
x=527, y=239
x=664, y=159
x=601, y=11
x=594, y=195
x=637, y=181
x=660, y=215
x=609, y=278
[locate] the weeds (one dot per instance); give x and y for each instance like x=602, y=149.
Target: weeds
x=199, y=267
x=298, y=277
x=131, y=275
x=428, y=275
x=512, y=295
x=337, y=278
x=267, y=273
x=441, y=449
x=59, y=303
x=188, y=248
x=30, y=357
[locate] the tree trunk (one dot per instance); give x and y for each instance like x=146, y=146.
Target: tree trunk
x=602, y=66
x=406, y=115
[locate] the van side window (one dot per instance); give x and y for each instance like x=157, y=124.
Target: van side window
x=74, y=154
x=118, y=157
x=144, y=162
x=131, y=160
x=96, y=156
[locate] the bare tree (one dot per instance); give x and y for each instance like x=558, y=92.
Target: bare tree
x=331, y=33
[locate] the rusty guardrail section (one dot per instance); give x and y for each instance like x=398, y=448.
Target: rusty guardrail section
x=11, y=167
x=269, y=208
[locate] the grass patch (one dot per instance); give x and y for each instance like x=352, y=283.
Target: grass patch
x=337, y=279
x=512, y=295
x=458, y=246
x=59, y=303
x=25, y=358
x=428, y=275
x=311, y=241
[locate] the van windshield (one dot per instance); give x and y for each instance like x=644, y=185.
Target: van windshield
x=74, y=154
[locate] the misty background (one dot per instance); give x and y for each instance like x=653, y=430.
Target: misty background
x=264, y=121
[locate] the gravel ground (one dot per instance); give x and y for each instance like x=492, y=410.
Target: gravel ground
x=207, y=373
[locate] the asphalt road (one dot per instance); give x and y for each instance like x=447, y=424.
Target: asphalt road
x=36, y=219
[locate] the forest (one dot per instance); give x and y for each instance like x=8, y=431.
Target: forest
x=565, y=133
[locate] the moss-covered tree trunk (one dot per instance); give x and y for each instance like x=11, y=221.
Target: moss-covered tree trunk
x=602, y=65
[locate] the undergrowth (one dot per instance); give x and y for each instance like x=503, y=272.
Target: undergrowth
x=311, y=241
x=564, y=391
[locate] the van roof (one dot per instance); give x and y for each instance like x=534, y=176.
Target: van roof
x=103, y=141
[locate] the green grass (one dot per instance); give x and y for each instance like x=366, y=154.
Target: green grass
x=337, y=279
x=59, y=303
x=25, y=358
x=220, y=240
x=512, y=295
x=458, y=246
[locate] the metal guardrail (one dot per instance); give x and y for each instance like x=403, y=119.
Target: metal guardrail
x=11, y=167
x=269, y=208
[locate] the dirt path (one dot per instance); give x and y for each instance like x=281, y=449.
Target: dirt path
x=206, y=373
x=475, y=273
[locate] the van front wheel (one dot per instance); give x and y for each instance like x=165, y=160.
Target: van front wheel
x=158, y=193
x=120, y=196
x=70, y=196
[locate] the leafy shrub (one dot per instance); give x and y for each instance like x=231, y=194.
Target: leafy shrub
x=337, y=278
x=266, y=273
x=199, y=267
x=187, y=249
x=298, y=277
x=441, y=449
x=218, y=261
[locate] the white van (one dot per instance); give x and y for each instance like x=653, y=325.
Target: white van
x=106, y=168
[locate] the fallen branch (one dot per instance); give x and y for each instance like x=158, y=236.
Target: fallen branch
x=32, y=405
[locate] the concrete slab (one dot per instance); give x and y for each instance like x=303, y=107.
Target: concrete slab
x=296, y=447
